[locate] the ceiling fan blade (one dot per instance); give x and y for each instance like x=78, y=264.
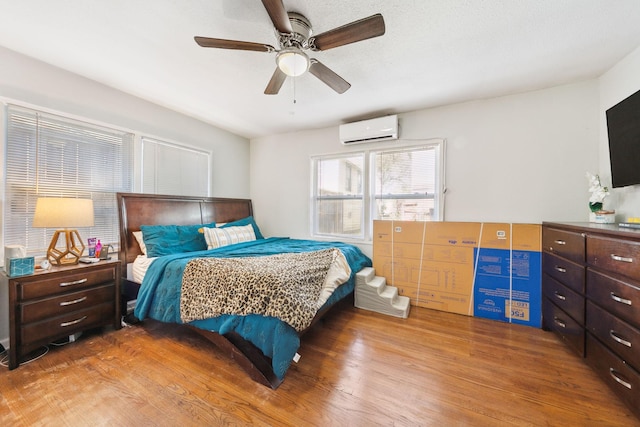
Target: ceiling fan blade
x=330, y=78
x=277, y=79
x=233, y=44
x=356, y=31
x=278, y=15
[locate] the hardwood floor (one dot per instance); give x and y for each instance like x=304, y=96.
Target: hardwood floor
x=358, y=368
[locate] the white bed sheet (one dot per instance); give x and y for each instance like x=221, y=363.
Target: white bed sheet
x=139, y=267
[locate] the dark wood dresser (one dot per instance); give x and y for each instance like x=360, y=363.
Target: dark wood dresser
x=591, y=299
x=49, y=305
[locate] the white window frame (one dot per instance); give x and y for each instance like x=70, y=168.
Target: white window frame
x=315, y=197
x=369, y=208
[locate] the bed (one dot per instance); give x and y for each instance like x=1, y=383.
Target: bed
x=177, y=287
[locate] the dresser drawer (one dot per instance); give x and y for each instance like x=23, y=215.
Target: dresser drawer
x=67, y=324
x=566, y=244
x=569, y=301
x=67, y=303
x=47, y=285
x=619, y=256
x=619, y=298
x=561, y=323
x=622, y=378
x=567, y=272
x=622, y=338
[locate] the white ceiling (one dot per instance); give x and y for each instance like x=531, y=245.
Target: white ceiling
x=434, y=52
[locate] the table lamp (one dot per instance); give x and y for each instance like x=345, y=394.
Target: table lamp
x=65, y=214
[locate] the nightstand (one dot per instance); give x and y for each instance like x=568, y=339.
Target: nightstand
x=49, y=305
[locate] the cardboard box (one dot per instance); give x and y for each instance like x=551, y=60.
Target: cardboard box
x=490, y=270
x=508, y=275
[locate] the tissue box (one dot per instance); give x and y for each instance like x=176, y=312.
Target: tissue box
x=19, y=266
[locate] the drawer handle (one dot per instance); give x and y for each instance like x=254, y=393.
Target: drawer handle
x=75, y=301
x=613, y=373
x=621, y=258
x=560, y=269
x=559, y=322
x=561, y=242
x=616, y=298
x=73, y=322
x=75, y=282
x=560, y=296
x=617, y=339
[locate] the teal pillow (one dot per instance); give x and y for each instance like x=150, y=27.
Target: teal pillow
x=245, y=221
x=173, y=239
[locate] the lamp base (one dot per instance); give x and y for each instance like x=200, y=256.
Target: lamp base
x=69, y=254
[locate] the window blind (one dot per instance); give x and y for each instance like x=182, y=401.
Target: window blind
x=405, y=184
x=174, y=169
x=54, y=156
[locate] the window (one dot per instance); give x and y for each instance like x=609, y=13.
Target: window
x=53, y=156
x=405, y=184
x=349, y=191
x=339, y=196
x=173, y=169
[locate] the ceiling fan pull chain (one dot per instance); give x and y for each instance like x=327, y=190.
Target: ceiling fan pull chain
x=294, y=90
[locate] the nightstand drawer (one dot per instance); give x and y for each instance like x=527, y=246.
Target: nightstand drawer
x=36, y=287
x=68, y=324
x=67, y=303
x=62, y=301
x=619, y=298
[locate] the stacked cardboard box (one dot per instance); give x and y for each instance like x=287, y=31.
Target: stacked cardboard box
x=490, y=270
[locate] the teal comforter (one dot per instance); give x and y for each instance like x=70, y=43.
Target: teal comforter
x=159, y=296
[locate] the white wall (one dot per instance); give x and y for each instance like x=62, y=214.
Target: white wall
x=26, y=80
x=615, y=85
x=519, y=158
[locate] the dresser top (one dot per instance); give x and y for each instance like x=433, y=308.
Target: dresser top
x=613, y=230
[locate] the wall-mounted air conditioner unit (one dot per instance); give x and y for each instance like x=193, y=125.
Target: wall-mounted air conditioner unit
x=380, y=129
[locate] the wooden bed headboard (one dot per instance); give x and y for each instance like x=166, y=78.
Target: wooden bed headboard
x=136, y=209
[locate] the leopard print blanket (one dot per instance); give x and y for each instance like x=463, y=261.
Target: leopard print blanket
x=286, y=286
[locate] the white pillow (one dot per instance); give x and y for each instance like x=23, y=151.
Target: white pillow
x=217, y=237
x=138, y=236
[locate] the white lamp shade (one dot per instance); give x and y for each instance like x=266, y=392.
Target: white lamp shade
x=293, y=62
x=61, y=212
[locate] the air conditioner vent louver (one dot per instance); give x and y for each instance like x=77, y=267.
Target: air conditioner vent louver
x=380, y=129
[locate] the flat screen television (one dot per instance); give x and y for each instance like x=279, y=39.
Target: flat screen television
x=623, y=126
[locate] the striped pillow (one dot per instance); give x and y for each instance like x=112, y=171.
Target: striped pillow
x=217, y=237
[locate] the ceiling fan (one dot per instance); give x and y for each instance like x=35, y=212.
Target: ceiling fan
x=294, y=34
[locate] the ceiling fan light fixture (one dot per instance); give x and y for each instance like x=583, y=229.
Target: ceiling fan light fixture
x=292, y=61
